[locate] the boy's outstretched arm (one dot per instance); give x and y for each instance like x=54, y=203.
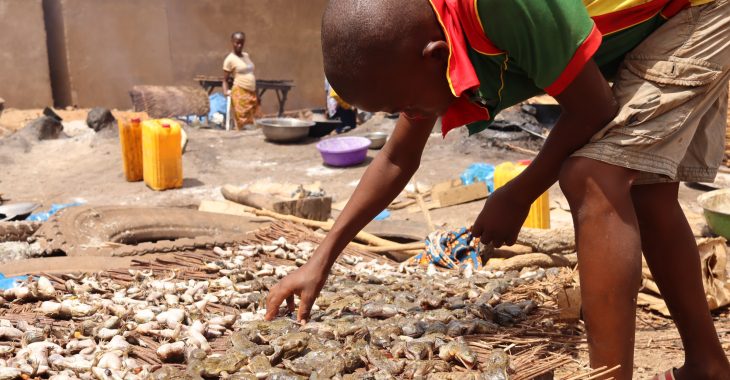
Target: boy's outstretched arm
x=386, y=177
x=588, y=105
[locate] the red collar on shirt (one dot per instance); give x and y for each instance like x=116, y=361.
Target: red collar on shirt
x=460, y=73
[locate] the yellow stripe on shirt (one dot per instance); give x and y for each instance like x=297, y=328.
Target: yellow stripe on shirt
x=602, y=7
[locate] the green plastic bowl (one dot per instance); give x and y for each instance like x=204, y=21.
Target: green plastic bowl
x=716, y=205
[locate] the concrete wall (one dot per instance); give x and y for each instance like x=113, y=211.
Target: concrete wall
x=24, y=78
x=282, y=37
x=101, y=48
x=106, y=46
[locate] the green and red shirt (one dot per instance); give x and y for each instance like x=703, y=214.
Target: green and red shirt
x=503, y=52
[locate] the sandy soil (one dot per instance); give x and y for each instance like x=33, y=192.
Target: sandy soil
x=88, y=167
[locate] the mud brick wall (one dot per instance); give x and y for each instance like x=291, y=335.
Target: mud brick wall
x=24, y=79
x=99, y=49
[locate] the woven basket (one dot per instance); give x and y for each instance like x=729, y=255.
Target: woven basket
x=170, y=101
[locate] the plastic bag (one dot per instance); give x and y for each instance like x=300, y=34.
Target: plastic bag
x=45, y=215
x=385, y=214
x=10, y=282
x=218, y=104
x=479, y=172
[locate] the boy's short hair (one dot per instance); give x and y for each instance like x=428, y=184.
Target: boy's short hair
x=358, y=35
x=238, y=34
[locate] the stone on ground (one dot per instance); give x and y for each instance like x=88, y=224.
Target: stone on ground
x=100, y=118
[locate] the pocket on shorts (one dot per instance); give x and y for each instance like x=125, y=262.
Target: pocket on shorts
x=686, y=72
x=656, y=89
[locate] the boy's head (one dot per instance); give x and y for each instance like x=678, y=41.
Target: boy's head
x=238, y=39
x=387, y=55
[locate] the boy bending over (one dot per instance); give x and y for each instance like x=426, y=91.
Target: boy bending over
x=618, y=151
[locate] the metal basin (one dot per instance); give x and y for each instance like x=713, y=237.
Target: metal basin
x=716, y=205
x=17, y=211
x=377, y=139
x=284, y=129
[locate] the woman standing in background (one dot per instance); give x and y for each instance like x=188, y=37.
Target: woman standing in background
x=239, y=67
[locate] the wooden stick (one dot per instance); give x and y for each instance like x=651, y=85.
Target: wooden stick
x=376, y=244
x=426, y=213
x=361, y=236
x=402, y=204
x=520, y=149
x=423, y=194
x=601, y=373
x=391, y=248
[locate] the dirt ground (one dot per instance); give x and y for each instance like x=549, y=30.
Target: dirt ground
x=86, y=166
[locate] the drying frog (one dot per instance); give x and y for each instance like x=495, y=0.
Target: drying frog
x=289, y=346
x=458, y=350
x=259, y=366
x=378, y=360
x=379, y=310
x=413, y=328
x=382, y=336
x=350, y=304
x=496, y=366
x=214, y=366
x=419, y=349
x=421, y=369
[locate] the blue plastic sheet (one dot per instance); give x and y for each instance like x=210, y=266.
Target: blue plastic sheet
x=45, y=215
x=10, y=282
x=479, y=172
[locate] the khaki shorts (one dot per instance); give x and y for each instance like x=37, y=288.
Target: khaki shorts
x=673, y=93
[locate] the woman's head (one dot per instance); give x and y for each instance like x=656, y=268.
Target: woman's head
x=238, y=39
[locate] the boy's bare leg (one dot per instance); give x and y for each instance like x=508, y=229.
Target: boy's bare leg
x=671, y=252
x=609, y=257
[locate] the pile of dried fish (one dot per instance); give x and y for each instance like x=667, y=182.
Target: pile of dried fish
x=372, y=320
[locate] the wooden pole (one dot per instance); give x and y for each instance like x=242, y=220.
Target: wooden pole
x=424, y=209
x=361, y=236
x=377, y=244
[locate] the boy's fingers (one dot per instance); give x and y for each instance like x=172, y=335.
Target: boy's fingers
x=290, y=306
x=305, y=306
x=512, y=240
x=273, y=301
x=486, y=238
x=475, y=230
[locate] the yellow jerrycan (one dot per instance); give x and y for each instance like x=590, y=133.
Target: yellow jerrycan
x=539, y=216
x=162, y=154
x=130, y=137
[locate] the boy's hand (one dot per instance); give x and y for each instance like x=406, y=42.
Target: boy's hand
x=502, y=217
x=305, y=282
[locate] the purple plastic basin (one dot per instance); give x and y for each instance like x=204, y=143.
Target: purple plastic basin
x=344, y=151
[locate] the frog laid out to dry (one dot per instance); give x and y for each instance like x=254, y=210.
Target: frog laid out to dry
x=458, y=350
x=496, y=367
x=289, y=346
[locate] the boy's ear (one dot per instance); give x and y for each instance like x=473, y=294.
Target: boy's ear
x=437, y=49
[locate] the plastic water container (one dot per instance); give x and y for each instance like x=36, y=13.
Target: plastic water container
x=162, y=154
x=539, y=216
x=130, y=137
